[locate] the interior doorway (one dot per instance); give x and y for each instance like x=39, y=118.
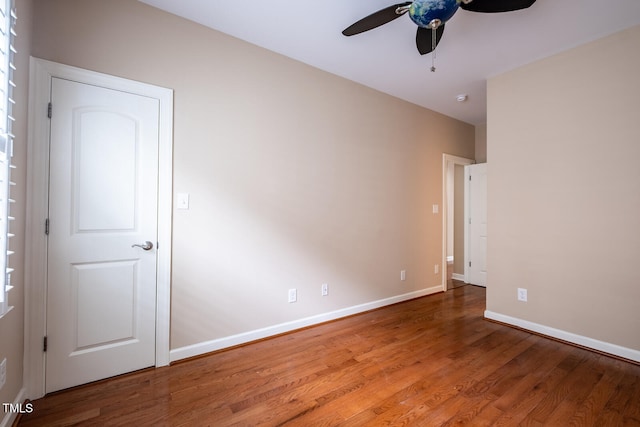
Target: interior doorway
x=453, y=200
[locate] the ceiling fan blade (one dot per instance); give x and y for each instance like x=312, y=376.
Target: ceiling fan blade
x=496, y=6
x=374, y=20
x=424, y=39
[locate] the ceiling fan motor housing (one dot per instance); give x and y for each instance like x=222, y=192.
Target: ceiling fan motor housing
x=424, y=12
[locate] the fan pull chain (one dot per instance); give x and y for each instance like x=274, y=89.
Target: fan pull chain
x=433, y=50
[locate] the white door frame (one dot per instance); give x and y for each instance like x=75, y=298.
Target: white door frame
x=41, y=73
x=447, y=159
x=468, y=216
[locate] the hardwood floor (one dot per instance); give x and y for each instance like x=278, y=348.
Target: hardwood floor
x=432, y=361
x=452, y=284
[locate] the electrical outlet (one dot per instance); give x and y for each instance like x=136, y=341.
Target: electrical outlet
x=3, y=372
x=403, y=274
x=436, y=269
x=522, y=294
x=325, y=289
x=293, y=295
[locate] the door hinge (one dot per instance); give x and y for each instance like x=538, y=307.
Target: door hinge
x=46, y=226
x=44, y=344
x=50, y=117
x=469, y=263
x=49, y=110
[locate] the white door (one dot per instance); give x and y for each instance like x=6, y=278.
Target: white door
x=476, y=224
x=101, y=289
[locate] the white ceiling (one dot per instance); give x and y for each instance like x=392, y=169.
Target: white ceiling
x=474, y=47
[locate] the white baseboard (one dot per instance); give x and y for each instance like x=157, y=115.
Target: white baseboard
x=458, y=276
x=246, y=337
x=605, y=347
x=10, y=417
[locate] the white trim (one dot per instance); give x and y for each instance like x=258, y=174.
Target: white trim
x=468, y=272
x=10, y=417
x=605, y=347
x=41, y=73
x=458, y=276
x=165, y=221
x=467, y=216
x=446, y=160
x=246, y=337
x=5, y=311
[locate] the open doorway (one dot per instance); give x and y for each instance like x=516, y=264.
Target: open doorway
x=453, y=200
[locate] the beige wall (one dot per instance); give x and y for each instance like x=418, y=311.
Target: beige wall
x=564, y=191
x=297, y=177
x=481, y=143
x=12, y=325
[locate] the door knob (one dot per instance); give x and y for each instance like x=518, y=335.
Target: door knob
x=146, y=245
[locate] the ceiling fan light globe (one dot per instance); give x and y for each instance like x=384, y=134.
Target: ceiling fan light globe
x=423, y=12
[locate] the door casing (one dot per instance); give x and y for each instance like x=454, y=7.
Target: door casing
x=447, y=159
x=41, y=73
x=473, y=246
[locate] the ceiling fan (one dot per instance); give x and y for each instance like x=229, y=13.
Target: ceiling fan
x=430, y=17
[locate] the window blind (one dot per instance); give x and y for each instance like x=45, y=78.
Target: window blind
x=8, y=20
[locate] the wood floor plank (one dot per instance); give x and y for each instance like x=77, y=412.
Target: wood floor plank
x=569, y=387
x=433, y=361
x=623, y=403
x=536, y=389
x=480, y=398
x=447, y=402
x=594, y=403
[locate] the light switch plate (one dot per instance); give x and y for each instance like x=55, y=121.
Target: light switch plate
x=182, y=201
